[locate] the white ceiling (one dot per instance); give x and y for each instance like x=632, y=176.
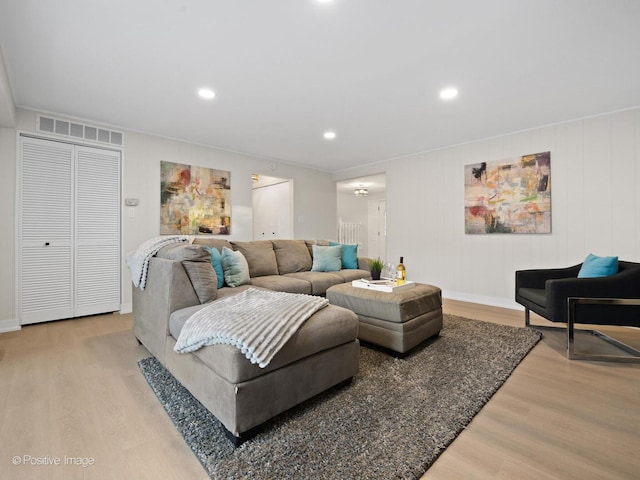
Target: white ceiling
x=284, y=71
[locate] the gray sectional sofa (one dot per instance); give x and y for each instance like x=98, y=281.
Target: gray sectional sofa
x=324, y=352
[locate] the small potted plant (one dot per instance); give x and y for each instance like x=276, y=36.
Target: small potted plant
x=375, y=265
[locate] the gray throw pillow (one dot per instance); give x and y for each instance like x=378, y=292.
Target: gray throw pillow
x=203, y=278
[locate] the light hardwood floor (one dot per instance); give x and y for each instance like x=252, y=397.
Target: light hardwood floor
x=72, y=389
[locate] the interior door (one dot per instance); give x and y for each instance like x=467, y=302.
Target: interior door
x=69, y=231
x=97, y=232
x=46, y=231
x=382, y=228
x=272, y=212
x=377, y=229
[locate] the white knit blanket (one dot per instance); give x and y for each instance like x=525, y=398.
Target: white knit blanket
x=258, y=322
x=138, y=260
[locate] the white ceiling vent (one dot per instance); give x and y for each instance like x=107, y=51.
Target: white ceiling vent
x=79, y=130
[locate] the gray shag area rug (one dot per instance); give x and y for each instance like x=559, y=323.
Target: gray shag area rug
x=392, y=421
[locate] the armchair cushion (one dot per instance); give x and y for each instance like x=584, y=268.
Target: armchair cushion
x=595, y=266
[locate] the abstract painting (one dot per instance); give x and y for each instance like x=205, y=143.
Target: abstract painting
x=194, y=200
x=511, y=196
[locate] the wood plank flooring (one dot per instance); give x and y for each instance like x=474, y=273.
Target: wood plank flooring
x=553, y=418
x=71, y=391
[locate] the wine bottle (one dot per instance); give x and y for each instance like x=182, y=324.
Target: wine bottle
x=401, y=273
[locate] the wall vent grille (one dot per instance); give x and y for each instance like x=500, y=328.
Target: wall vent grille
x=82, y=131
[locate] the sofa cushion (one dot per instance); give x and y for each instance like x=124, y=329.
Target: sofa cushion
x=203, y=278
x=327, y=328
x=327, y=259
x=292, y=256
x=213, y=242
x=280, y=283
x=349, y=255
x=216, y=262
x=260, y=257
x=311, y=243
x=236, y=269
x=180, y=252
x=535, y=295
x=319, y=281
x=350, y=275
x=178, y=317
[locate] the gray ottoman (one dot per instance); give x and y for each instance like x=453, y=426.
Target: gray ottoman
x=398, y=321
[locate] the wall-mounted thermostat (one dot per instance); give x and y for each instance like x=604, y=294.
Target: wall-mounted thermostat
x=131, y=202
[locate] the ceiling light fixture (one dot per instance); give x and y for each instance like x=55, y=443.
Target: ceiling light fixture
x=448, y=93
x=361, y=192
x=329, y=135
x=206, y=93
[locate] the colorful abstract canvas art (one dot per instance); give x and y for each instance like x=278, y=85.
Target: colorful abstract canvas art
x=194, y=200
x=511, y=196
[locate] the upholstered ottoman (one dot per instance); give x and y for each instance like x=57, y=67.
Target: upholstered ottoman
x=398, y=321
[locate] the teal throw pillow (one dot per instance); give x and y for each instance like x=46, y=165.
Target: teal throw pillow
x=236, y=268
x=594, y=266
x=216, y=261
x=349, y=255
x=327, y=259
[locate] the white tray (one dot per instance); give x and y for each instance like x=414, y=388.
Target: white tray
x=382, y=285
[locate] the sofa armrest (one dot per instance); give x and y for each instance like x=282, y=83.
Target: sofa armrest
x=168, y=289
x=363, y=264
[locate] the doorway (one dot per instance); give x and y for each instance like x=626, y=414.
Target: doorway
x=272, y=200
x=361, y=206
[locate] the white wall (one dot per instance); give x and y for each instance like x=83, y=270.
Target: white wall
x=7, y=232
x=7, y=106
x=314, y=197
x=595, y=174
x=595, y=178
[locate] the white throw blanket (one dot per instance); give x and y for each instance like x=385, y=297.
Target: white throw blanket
x=138, y=260
x=258, y=322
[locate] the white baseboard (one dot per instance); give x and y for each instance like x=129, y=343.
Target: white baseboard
x=482, y=300
x=126, y=308
x=10, y=325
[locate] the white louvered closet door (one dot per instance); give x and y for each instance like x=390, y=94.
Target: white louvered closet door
x=46, y=231
x=97, y=231
x=69, y=231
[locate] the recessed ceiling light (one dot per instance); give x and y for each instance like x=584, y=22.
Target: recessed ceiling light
x=206, y=93
x=448, y=93
x=329, y=135
x=324, y=1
